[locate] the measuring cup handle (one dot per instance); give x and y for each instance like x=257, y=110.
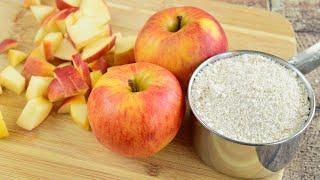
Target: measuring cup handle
x=307, y=60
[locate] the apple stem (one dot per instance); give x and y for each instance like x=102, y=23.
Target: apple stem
x=133, y=85
x=179, y=18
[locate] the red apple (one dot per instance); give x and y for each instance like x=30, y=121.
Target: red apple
x=136, y=109
x=7, y=44
x=65, y=4
x=180, y=39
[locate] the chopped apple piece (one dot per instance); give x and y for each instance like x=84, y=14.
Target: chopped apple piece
x=38, y=53
x=79, y=115
x=7, y=44
x=41, y=12
x=65, y=64
x=3, y=128
x=41, y=33
x=65, y=108
x=65, y=4
x=68, y=21
x=50, y=24
x=98, y=49
x=71, y=81
x=12, y=80
x=28, y=3
x=99, y=65
x=51, y=42
x=34, y=113
x=124, y=50
x=65, y=51
x=36, y=67
x=55, y=91
x=86, y=31
x=82, y=68
x=97, y=9
x=38, y=87
x=15, y=57
x=95, y=76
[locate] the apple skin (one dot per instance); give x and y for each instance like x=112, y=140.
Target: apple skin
x=61, y=4
x=136, y=124
x=180, y=51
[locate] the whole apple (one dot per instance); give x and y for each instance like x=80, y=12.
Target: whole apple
x=136, y=109
x=180, y=39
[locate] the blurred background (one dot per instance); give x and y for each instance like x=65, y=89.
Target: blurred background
x=305, y=18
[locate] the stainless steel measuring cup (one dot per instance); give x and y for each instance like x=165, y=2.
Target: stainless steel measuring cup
x=249, y=160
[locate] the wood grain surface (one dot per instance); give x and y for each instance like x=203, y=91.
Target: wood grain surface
x=58, y=149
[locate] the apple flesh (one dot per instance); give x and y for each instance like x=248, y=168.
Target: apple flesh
x=124, y=50
x=50, y=24
x=36, y=67
x=65, y=107
x=28, y=3
x=15, y=57
x=79, y=115
x=41, y=33
x=34, y=113
x=38, y=53
x=98, y=49
x=11, y=79
x=65, y=51
x=99, y=65
x=41, y=12
x=66, y=4
x=97, y=9
x=180, y=39
x=95, y=76
x=82, y=67
x=51, y=42
x=3, y=128
x=7, y=44
x=136, y=109
x=38, y=87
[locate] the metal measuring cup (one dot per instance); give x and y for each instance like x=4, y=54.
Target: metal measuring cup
x=249, y=160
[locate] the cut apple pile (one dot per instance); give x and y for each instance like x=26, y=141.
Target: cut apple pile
x=77, y=34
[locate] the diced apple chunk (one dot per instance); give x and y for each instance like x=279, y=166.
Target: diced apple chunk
x=79, y=115
x=99, y=65
x=51, y=42
x=15, y=57
x=124, y=50
x=82, y=67
x=41, y=33
x=7, y=44
x=95, y=76
x=3, y=128
x=65, y=108
x=65, y=51
x=12, y=80
x=38, y=87
x=38, y=53
x=86, y=31
x=36, y=67
x=69, y=20
x=34, y=113
x=55, y=91
x=97, y=9
x=41, y=12
x=98, y=48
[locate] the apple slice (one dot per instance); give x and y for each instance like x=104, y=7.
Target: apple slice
x=71, y=81
x=86, y=31
x=3, y=128
x=65, y=64
x=7, y=44
x=28, y=3
x=65, y=51
x=50, y=24
x=12, y=80
x=79, y=115
x=15, y=57
x=97, y=9
x=34, y=113
x=68, y=21
x=41, y=12
x=38, y=87
x=124, y=50
x=95, y=76
x=99, y=65
x=65, y=108
x=51, y=43
x=38, y=53
x=98, y=49
x=65, y=4
x=55, y=91
x=41, y=33
x=36, y=67
x=82, y=68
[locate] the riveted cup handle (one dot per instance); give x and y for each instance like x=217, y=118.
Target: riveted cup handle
x=307, y=60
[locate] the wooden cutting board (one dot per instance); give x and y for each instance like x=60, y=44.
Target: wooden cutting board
x=59, y=149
